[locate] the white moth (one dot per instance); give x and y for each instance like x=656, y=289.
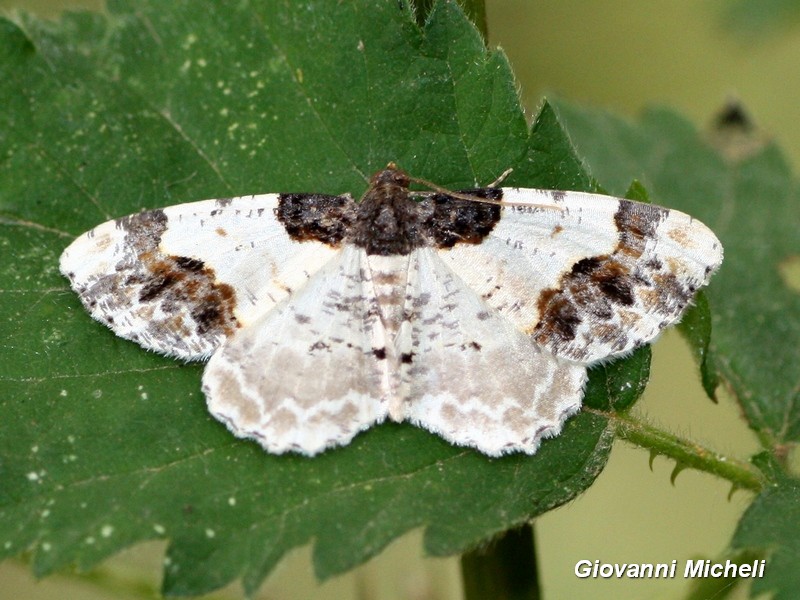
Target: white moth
x=323, y=316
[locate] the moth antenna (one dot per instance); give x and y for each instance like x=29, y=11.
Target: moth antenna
x=502, y=177
x=471, y=198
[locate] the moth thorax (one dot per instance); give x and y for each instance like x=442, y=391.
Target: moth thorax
x=388, y=222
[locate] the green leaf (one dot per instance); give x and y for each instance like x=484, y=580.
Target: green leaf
x=618, y=385
x=772, y=524
x=753, y=19
x=102, y=444
x=637, y=192
x=752, y=205
x=696, y=327
x=474, y=9
x=720, y=588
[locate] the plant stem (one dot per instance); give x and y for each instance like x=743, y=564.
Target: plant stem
x=685, y=452
x=505, y=569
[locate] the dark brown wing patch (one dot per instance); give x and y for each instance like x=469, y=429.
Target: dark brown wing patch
x=452, y=221
x=159, y=287
x=388, y=221
x=316, y=217
x=598, y=287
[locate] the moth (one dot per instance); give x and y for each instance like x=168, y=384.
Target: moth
x=473, y=314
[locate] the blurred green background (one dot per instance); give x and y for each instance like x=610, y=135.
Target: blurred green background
x=622, y=55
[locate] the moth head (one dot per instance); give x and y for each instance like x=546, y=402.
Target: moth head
x=391, y=175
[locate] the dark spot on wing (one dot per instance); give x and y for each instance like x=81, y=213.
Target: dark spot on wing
x=655, y=265
x=176, y=301
x=636, y=223
x=206, y=315
x=586, y=265
x=590, y=290
x=453, y=220
x=672, y=292
x=597, y=289
x=608, y=275
x=189, y=264
x=157, y=284
x=316, y=217
x=143, y=230
x=615, y=302
x=559, y=318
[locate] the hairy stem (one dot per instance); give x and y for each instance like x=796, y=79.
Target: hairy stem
x=686, y=453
